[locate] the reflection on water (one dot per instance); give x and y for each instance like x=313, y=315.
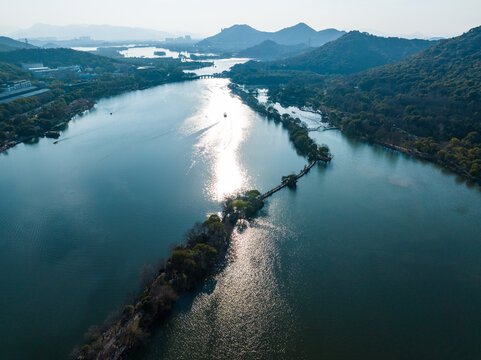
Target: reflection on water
x=226, y=125
x=237, y=316
x=149, y=52
x=311, y=118
x=79, y=218
x=375, y=256
x=95, y=48
x=220, y=65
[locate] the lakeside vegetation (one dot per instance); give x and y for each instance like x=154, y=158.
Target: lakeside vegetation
x=427, y=105
x=298, y=132
x=189, y=264
x=71, y=94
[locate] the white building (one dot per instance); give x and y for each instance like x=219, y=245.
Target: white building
x=28, y=67
x=17, y=85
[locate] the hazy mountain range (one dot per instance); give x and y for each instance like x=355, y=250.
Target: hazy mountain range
x=96, y=32
x=239, y=37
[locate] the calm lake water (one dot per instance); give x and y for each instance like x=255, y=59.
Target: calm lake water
x=373, y=256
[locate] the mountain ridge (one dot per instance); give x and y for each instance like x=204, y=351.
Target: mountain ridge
x=355, y=52
x=242, y=36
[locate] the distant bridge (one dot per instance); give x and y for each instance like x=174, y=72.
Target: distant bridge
x=206, y=77
x=322, y=128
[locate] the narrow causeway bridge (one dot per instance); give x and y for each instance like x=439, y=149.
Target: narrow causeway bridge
x=285, y=182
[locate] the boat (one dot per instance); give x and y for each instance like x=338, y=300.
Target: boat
x=52, y=134
x=55, y=142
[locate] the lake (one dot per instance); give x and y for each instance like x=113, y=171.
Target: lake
x=375, y=255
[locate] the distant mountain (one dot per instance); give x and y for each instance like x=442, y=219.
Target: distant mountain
x=96, y=32
x=8, y=44
x=240, y=37
x=354, y=52
x=302, y=33
x=270, y=50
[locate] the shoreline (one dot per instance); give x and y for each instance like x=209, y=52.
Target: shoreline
x=87, y=105
x=416, y=154
x=190, y=263
x=298, y=132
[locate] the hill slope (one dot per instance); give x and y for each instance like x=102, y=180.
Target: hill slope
x=8, y=44
x=429, y=104
x=9, y=72
x=354, y=52
x=270, y=50
x=434, y=93
x=240, y=37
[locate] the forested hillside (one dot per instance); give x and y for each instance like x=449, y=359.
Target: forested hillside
x=270, y=50
x=429, y=102
x=352, y=53
x=9, y=72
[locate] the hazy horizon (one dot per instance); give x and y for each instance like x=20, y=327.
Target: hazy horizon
x=405, y=18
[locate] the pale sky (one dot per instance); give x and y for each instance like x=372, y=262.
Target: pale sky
x=207, y=17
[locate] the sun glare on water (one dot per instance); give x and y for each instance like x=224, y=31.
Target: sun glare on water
x=221, y=125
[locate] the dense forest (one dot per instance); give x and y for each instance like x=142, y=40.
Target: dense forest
x=429, y=103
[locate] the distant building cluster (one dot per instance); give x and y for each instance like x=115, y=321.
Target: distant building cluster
x=186, y=38
x=16, y=85
x=37, y=69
